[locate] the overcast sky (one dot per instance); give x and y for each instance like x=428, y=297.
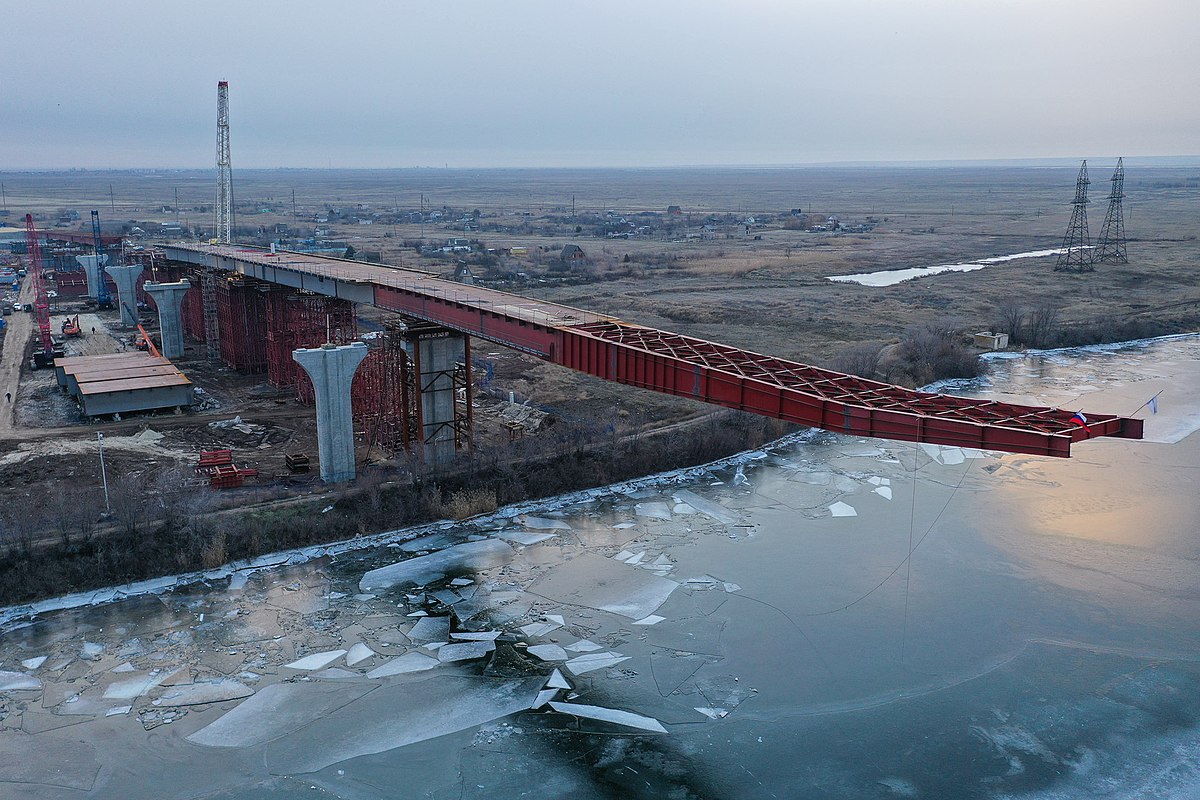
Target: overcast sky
x=471, y=83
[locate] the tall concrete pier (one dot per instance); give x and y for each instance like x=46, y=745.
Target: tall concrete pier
x=331, y=369
x=126, y=279
x=92, y=272
x=169, y=298
x=437, y=354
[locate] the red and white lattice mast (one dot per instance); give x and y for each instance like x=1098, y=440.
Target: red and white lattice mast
x=224, y=208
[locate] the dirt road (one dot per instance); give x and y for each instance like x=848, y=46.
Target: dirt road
x=20, y=327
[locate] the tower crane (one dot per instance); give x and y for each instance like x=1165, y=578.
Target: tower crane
x=41, y=302
x=103, y=298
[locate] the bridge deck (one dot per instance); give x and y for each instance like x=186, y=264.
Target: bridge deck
x=667, y=362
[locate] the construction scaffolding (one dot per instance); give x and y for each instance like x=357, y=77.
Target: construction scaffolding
x=242, y=322
x=299, y=319
x=384, y=393
x=192, y=308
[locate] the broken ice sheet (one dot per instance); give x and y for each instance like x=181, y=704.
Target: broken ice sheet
x=33, y=663
x=597, y=582
x=707, y=507
x=357, y=653
x=535, y=629
x=203, y=692
x=525, y=537
x=135, y=687
x=884, y=491
x=396, y=715
x=593, y=661
x=653, y=619
x=585, y=646
x=626, y=718
x=18, y=681
x=840, y=509
x=422, y=570
x=276, y=710
x=541, y=523
x=557, y=681
x=655, y=510
x=548, y=652
x=316, y=660
x=409, y=662
x=430, y=629
x=475, y=636
x=543, y=697
x=465, y=651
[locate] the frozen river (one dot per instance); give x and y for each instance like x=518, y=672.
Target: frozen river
x=754, y=629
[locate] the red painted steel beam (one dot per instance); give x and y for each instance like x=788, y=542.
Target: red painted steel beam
x=682, y=366
x=706, y=371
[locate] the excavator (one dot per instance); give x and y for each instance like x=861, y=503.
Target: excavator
x=70, y=326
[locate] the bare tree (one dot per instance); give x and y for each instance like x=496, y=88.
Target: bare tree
x=1043, y=324
x=860, y=359
x=1010, y=317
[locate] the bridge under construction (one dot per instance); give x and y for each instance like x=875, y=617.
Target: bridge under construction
x=229, y=303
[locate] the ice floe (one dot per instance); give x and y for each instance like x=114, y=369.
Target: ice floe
x=840, y=509
x=358, y=653
x=626, y=718
x=422, y=570
x=409, y=662
x=316, y=660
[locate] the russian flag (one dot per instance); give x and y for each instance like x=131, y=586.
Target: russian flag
x=1081, y=419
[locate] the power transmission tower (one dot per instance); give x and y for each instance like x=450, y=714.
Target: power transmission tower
x=1076, y=255
x=224, y=209
x=1112, y=235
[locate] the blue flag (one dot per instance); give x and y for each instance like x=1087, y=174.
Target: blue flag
x=1154, y=404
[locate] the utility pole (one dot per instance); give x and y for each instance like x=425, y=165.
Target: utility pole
x=112, y=202
x=103, y=474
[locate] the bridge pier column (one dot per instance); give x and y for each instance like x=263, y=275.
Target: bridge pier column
x=331, y=369
x=440, y=358
x=92, y=272
x=126, y=279
x=169, y=299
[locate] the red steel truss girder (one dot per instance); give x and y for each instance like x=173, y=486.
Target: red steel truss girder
x=773, y=387
x=680, y=365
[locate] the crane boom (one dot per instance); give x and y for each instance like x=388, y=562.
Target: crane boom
x=41, y=302
x=103, y=300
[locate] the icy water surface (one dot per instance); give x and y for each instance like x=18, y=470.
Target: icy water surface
x=750, y=630
x=890, y=277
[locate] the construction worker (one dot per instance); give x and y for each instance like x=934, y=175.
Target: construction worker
x=8, y=397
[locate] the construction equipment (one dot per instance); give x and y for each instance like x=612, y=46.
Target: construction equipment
x=103, y=298
x=41, y=303
x=70, y=326
x=144, y=342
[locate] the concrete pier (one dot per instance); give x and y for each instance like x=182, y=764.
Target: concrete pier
x=437, y=355
x=91, y=271
x=169, y=297
x=331, y=369
x=126, y=279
